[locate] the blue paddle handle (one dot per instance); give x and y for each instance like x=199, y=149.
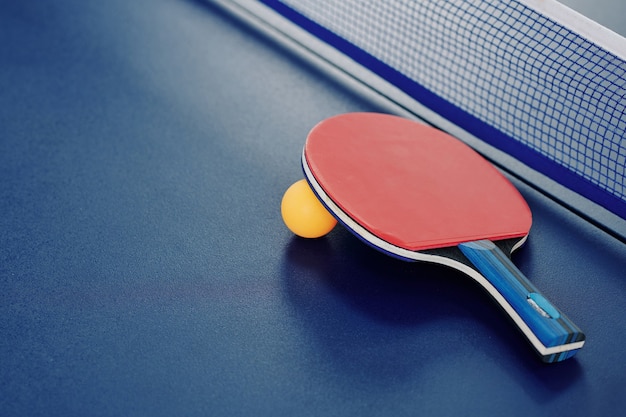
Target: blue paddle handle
x=559, y=336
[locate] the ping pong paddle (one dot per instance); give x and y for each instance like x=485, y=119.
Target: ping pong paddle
x=418, y=194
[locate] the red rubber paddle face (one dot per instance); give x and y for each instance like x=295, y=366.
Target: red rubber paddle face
x=412, y=185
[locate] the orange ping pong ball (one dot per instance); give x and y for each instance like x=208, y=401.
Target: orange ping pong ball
x=303, y=213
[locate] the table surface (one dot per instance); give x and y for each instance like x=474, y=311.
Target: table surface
x=145, y=269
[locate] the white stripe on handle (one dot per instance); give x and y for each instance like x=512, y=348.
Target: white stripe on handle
x=548, y=324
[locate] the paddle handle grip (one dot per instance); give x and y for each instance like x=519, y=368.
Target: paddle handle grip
x=554, y=336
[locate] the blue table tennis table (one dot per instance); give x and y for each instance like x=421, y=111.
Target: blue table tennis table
x=145, y=269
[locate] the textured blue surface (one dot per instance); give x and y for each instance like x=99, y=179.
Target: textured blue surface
x=145, y=270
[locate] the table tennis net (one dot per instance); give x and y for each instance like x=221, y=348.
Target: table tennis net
x=500, y=70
